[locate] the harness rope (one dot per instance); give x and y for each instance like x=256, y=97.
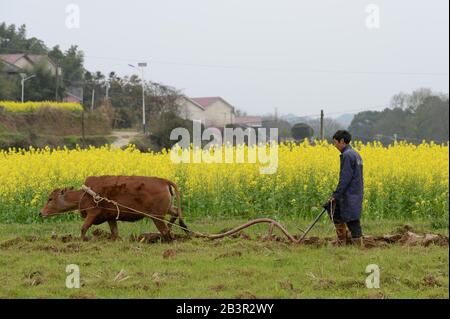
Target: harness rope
x=332, y=213
x=332, y=208
x=98, y=199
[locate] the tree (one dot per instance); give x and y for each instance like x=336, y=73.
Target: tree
x=410, y=101
x=300, y=131
x=161, y=106
x=431, y=120
x=330, y=126
x=395, y=122
x=14, y=40
x=72, y=66
x=418, y=97
x=363, y=125
x=284, y=127
x=399, y=100
x=57, y=57
x=42, y=86
x=126, y=96
x=413, y=117
x=9, y=86
x=94, y=82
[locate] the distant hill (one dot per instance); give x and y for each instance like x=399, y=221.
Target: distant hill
x=345, y=119
x=293, y=119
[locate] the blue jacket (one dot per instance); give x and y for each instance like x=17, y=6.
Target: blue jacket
x=350, y=190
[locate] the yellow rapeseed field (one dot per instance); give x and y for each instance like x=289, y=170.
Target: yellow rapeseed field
x=402, y=181
x=28, y=107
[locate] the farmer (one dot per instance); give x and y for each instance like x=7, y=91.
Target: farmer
x=347, y=199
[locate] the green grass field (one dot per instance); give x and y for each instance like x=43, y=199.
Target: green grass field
x=33, y=265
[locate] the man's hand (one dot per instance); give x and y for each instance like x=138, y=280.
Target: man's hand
x=328, y=203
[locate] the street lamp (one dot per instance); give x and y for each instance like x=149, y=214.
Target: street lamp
x=24, y=78
x=141, y=66
x=108, y=85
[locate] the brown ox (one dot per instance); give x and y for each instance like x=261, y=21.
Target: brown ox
x=151, y=195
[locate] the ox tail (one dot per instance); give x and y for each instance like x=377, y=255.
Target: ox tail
x=179, y=212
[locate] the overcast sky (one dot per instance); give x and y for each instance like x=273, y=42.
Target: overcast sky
x=298, y=56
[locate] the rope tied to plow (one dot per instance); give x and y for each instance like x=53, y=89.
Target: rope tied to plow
x=273, y=223
x=97, y=199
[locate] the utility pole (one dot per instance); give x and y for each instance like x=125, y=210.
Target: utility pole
x=144, y=122
x=57, y=83
x=107, y=90
x=321, y=124
x=25, y=78
x=82, y=128
x=93, y=99
x=142, y=65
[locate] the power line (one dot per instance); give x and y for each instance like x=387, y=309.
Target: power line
x=360, y=110
x=346, y=111
x=253, y=68
x=291, y=69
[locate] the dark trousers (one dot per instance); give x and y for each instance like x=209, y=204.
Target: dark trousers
x=354, y=226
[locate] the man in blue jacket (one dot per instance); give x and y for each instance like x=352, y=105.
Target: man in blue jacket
x=347, y=199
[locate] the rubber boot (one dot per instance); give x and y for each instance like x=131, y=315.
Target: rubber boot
x=348, y=236
x=341, y=233
x=359, y=242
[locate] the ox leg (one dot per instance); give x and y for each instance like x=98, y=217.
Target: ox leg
x=164, y=230
x=90, y=218
x=114, y=229
x=174, y=217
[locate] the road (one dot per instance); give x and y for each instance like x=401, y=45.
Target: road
x=123, y=138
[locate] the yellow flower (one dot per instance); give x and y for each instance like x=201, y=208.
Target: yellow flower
x=394, y=177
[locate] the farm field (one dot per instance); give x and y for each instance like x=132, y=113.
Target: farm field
x=239, y=156
x=402, y=181
x=404, y=185
x=33, y=264
x=29, y=107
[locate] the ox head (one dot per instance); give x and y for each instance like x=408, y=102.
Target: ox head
x=58, y=203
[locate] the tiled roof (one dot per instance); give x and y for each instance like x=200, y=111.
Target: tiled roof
x=11, y=58
x=205, y=101
x=248, y=120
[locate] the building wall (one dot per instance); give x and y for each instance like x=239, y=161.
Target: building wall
x=190, y=111
x=25, y=64
x=218, y=114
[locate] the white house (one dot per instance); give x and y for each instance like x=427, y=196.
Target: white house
x=211, y=111
x=191, y=110
x=20, y=62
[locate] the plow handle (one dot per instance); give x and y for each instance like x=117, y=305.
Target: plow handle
x=312, y=225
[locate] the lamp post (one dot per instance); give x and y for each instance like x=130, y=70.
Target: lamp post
x=107, y=89
x=141, y=66
x=25, y=78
